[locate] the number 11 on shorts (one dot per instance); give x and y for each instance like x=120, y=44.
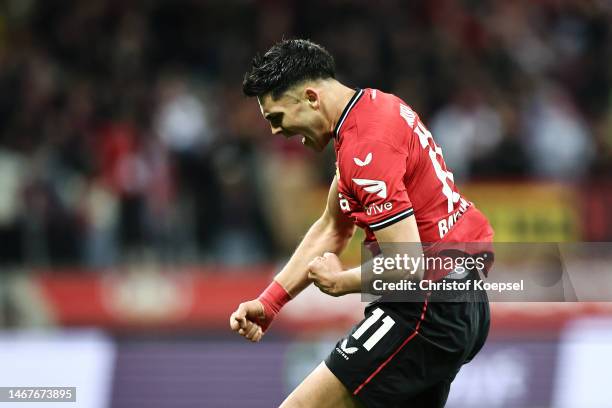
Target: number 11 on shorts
x=388, y=322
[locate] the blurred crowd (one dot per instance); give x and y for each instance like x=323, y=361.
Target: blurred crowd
x=124, y=134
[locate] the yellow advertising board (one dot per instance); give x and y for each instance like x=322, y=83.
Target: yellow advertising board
x=528, y=212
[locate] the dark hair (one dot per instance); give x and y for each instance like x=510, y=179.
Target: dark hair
x=286, y=64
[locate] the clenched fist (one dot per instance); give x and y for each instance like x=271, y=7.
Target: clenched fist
x=325, y=272
x=249, y=320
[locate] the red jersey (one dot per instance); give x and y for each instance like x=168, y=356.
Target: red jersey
x=390, y=168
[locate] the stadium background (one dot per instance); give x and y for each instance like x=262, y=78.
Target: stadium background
x=142, y=197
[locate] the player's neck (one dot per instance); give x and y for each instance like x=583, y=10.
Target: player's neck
x=340, y=97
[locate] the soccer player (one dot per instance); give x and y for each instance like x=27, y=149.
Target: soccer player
x=391, y=180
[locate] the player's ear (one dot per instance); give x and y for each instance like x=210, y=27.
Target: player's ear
x=312, y=96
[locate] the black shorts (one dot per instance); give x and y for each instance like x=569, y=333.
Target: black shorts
x=407, y=354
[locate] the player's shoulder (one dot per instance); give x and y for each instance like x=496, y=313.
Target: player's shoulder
x=377, y=104
x=376, y=137
x=380, y=117
x=377, y=120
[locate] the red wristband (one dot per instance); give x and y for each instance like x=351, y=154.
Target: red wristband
x=274, y=297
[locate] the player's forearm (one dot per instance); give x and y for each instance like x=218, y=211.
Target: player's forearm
x=323, y=236
x=352, y=280
x=349, y=281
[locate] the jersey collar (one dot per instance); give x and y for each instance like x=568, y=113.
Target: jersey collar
x=347, y=109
